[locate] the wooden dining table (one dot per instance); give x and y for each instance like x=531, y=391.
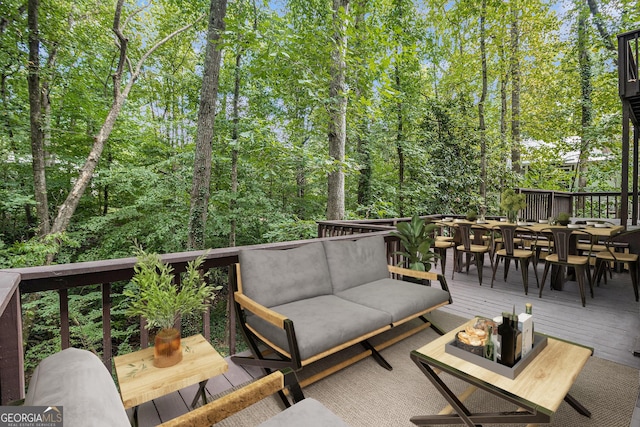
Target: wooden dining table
x=558, y=275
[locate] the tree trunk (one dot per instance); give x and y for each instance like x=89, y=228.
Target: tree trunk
x=362, y=134
x=481, y=125
x=205, y=131
x=35, y=118
x=515, y=91
x=364, y=179
x=586, y=88
x=399, y=143
x=504, y=140
x=301, y=181
x=234, y=150
x=337, y=112
x=120, y=94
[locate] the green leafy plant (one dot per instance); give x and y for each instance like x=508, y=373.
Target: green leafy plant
x=472, y=215
x=416, y=240
x=512, y=202
x=563, y=218
x=156, y=297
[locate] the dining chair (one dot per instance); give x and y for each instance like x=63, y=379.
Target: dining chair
x=631, y=239
x=440, y=245
x=494, y=240
x=509, y=252
x=471, y=249
x=562, y=257
x=542, y=243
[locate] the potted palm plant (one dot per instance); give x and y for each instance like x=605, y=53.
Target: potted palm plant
x=154, y=295
x=416, y=238
x=511, y=203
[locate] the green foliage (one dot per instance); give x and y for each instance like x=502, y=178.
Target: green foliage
x=154, y=295
x=416, y=239
x=512, y=202
x=34, y=252
x=563, y=218
x=291, y=229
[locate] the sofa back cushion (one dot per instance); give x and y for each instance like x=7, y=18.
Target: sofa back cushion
x=78, y=381
x=274, y=277
x=355, y=262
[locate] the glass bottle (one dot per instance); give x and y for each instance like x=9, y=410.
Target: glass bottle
x=528, y=308
x=489, y=347
x=496, y=343
x=517, y=339
x=507, y=340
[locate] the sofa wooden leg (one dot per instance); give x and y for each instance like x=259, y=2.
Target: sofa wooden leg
x=262, y=363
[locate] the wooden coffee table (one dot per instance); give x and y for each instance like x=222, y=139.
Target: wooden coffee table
x=537, y=391
x=141, y=382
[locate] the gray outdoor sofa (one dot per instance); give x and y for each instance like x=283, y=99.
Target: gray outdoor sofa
x=314, y=300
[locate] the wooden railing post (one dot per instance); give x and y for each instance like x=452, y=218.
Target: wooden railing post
x=11, y=355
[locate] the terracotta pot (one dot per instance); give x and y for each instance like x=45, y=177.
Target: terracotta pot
x=167, y=351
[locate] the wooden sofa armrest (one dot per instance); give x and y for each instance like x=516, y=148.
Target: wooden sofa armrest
x=427, y=275
x=260, y=310
x=224, y=407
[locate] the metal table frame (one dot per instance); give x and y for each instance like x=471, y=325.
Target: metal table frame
x=528, y=412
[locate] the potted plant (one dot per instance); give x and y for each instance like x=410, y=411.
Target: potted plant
x=155, y=296
x=563, y=218
x=471, y=215
x=416, y=238
x=512, y=202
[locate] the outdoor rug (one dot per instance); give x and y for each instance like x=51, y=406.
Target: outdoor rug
x=366, y=394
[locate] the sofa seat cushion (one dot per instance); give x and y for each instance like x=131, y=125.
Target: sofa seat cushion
x=322, y=323
x=273, y=277
x=356, y=262
x=78, y=381
x=309, y=413
x=399, y=299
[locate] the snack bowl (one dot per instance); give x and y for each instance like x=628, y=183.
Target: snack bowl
x=478, y=350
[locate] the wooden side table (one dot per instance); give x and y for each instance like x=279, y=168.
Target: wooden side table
x=141, y=382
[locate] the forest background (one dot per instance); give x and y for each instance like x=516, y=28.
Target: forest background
x=316, y=109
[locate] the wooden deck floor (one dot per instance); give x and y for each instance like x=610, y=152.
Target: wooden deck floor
x=610, y=323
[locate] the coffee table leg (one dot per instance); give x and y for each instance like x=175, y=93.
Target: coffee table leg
x=577, y=405
x=134, y=421
x=202, y=393
x=446, y=392
x=463, y=415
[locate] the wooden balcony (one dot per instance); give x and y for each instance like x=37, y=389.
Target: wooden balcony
x=609, y=323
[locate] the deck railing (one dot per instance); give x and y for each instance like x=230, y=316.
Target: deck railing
x=542, y=204
x=15, y=283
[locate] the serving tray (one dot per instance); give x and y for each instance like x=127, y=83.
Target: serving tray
x=539, y=342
